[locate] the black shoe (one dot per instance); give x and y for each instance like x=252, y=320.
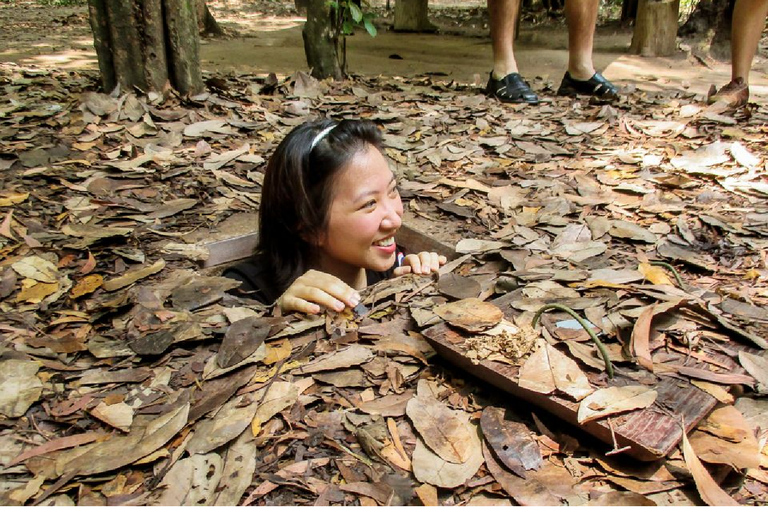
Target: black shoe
x=511, y=89
x=597, y=87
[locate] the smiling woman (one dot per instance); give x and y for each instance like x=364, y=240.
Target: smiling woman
x=329, y=213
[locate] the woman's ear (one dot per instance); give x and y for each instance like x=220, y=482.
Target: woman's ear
x=312, y=237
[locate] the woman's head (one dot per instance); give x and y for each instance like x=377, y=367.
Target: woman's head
x=299, y=221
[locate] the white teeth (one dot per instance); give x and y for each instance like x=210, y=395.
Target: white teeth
x=386, y=242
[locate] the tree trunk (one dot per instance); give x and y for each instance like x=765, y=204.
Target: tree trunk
x=709, y=27
x=206, y=23
x=184, y=45
x=411, y=16
x=146, y=44
x=320, y=46
x=655, y=33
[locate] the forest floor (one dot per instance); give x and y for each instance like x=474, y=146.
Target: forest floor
x=129, y=376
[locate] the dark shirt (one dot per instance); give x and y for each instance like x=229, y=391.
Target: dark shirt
x=257, y=283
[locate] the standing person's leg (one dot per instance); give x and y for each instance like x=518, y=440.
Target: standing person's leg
x=505, y=83
x=581, y=16
x=748, y=23
x=502, y=14
x=746, y=28
x=581, y=77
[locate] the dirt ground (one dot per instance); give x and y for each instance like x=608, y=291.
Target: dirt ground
x=265, y=37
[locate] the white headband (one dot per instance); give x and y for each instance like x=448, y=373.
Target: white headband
x=320, y=136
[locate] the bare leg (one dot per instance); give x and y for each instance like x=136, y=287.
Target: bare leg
x=748, y=22
x=503, y=14
x=581, y=16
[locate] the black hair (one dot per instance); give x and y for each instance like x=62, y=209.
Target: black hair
x=298, y=190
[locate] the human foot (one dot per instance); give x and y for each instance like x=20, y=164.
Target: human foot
x=735, y=94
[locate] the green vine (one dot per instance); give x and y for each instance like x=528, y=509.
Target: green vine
x=671, y=269
x=600, y=347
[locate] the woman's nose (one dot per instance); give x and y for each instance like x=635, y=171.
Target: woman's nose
x=393, y=217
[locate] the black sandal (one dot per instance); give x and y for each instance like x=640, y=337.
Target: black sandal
x=597, y=87
x=511, y=89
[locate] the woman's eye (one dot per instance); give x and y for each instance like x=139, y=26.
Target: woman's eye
x=370, y=204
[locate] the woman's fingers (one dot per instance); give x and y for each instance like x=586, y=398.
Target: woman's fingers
x=402, y=270
x=421, y=263
x=316, y=290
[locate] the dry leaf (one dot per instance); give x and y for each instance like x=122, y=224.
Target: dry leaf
x=709, y=491
x=119, y=451
x=473, y=246
x=549, y=369
x=237, y=474
x=529, y=491
x=191, y=482
x=441, y=428
x=86, y=285
x=19, y=387
x=118, y=415
x=350, y=356
x=613, y=400
x=37, y=268
x=131, y=277
x=428, y=467
x=471, y=314
x=512, y=441
x=756, y=366
x=654, y=274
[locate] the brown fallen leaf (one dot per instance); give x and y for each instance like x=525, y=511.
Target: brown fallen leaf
x=613, y=400
x=86, y=285
x=548, y=370
x=191, y=482
x=428, y=467
x=621, y=499
x=37, y=268
x=512, y=441
x=120, y=450
x=237, y=473
x=471, y=314
x=757, y=367
x=20, y=386
x=441, y=428
x=428, y=495
x=654, y=274
x=242, y=339
x=350, y=356
x=641, y=332
x=527, y=491
x=131, y=277
x=119, y=415
x=712, y=494
x=58, y=444
x=388, y=405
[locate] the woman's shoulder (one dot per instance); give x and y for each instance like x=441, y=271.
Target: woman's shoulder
x=255, y=280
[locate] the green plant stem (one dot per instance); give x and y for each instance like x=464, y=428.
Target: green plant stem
x=600, y=347
x=671, y=269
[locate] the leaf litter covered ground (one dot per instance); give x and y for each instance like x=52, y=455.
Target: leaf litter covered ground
x=130, y=376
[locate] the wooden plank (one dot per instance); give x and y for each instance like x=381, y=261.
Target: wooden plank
x=650, y=433
x=237, y=248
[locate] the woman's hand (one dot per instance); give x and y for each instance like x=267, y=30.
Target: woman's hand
x=422, y=263
x=315, y=291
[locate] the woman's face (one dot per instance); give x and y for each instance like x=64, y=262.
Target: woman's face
x=365, y=213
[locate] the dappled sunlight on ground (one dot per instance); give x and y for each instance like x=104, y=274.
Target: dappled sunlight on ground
x=265, y=37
